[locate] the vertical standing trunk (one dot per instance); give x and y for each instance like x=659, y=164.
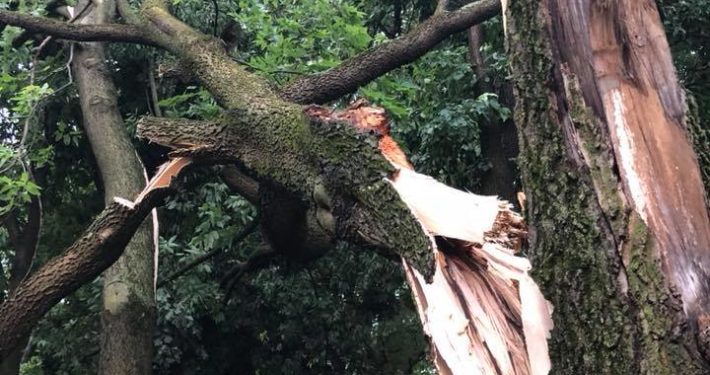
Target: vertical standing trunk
x=128, y=314
x=620, y=234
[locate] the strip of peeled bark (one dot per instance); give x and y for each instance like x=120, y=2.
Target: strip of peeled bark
x=616, y=198
x=129, y=312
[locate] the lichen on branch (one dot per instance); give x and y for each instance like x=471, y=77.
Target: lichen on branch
x=302, y=155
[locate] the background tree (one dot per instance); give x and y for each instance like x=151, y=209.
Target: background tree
x=128, y=311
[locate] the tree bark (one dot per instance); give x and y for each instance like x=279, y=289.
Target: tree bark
x=272, y=140
x=620, y=233
x=98, y=247
x=129, y=310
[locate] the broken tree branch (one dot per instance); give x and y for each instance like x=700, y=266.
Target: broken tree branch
x=340, y=198
x=99, y=247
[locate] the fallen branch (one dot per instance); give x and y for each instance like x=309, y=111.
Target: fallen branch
x=99, y=247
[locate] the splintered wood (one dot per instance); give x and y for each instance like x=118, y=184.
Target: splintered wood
x=482, y=312
x=165, y=175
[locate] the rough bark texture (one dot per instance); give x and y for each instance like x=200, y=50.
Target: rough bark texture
x=99, y=247
x=338, y=170
x=129, y=311
x=620, y=234
x=63, y=30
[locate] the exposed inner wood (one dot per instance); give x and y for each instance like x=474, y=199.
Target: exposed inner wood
x=481, y=312
x=644, y=109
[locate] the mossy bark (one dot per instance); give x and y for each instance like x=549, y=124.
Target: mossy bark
x=308, y=158
x=337, y=173
x=602, y=252
x=276, y=142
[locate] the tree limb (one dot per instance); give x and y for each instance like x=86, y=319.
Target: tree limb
x=341, y=198
x=275, y=141
x=365, y=67
x=84, y=33
x=349, y=75
x=316, y=88
x=99, y=247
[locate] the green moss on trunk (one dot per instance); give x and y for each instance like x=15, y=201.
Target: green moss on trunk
x=612, y=312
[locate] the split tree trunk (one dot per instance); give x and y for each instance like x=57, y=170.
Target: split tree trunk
x=129, y=311
x=620, y=234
